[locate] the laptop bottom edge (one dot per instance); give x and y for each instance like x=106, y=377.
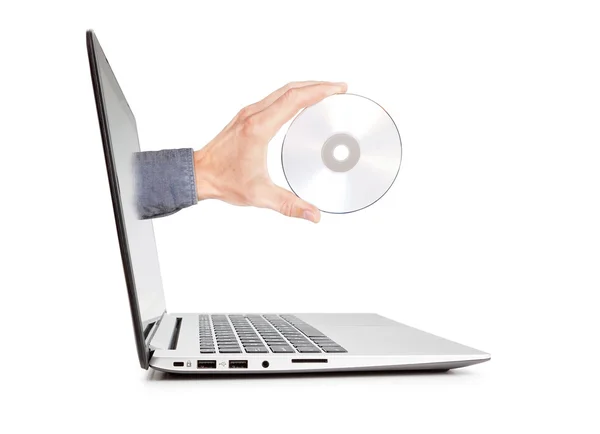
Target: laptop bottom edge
x=242, y=364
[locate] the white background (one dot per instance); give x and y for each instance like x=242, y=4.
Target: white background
x=490, y=235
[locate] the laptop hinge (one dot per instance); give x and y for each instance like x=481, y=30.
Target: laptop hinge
x=151, y=329
x=166, y=333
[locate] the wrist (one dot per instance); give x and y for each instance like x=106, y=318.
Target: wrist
x=206, y=186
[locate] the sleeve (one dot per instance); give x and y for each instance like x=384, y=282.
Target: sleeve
x=164, y=182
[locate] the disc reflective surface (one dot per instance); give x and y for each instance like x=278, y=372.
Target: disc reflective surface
x=342, y=154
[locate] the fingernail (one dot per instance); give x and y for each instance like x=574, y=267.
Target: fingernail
x=308, y=215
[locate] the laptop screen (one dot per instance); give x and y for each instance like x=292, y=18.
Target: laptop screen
x=138, y=247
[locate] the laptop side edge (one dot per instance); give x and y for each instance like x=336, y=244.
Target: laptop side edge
x=140, y=335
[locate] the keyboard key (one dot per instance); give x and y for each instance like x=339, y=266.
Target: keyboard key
x=308, y=350
x=256, y=349
x=337, y=349
x=302, y=344
x=282, y=349
x=313, y=333
x=230, y=350
x=324, y=342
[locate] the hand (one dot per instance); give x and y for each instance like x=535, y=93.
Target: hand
x=233, y=166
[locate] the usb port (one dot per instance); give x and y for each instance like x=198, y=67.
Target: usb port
x=207, y=364
x=238, y=364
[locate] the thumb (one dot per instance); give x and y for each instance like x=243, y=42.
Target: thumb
x=288, y=204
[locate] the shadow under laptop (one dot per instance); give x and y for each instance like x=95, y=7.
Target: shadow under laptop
x=154, y=375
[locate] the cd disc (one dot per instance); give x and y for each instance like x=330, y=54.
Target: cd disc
x=342, y=154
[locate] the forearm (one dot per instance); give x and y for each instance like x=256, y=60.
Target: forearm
x=164, y=182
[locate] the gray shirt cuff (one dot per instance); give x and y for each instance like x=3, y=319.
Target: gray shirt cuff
x=164, y=182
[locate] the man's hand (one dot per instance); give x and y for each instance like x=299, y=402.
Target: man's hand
x=233, y=166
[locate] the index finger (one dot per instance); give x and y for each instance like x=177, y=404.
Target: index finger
x=272, y=97
x=272, y=118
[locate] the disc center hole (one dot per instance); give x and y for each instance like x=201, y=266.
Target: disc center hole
x=341, y=152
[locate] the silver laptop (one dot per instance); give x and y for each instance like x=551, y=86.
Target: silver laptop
x=238, y=343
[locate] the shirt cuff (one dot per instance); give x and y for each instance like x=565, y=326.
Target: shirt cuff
x=165, y=182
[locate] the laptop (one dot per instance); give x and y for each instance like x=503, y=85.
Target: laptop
x=224, y=343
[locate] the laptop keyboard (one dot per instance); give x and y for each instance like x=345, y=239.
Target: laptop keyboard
x=262, y=334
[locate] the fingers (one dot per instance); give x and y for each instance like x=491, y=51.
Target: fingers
x=288, y=204
x=271, y=98
x=284, y=108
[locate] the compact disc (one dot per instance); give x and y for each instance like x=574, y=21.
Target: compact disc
x=342, y=154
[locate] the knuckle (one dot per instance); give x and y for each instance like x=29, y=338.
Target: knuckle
x=287, y=208
x=250, y=126
x=245, y=112
x=291, y=85
x=291, y=94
